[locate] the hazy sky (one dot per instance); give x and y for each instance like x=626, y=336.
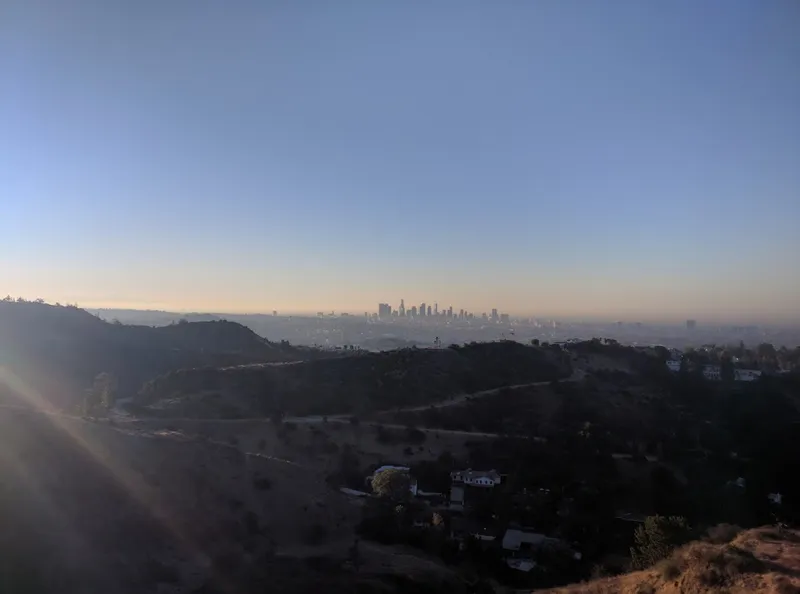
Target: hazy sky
x=629, y=159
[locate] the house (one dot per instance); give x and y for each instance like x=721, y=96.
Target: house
x=516, y=540
x=463, y=528
x=712, y=372
x=457, y=498
x=476, y=478
x=521, y=564
x=746, y=375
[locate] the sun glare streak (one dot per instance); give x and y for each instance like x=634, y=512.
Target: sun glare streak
x=140, y=492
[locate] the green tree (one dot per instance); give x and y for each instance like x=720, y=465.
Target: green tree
x=657, y=538
x=100, y=398
x=727, y=370
x=105, y=385
x=393, y=484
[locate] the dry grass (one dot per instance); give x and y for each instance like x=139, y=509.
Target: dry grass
x=761, y=560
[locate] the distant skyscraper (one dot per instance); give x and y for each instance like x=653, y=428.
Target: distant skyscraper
x=494, y=315
x=484, y=317
x=384, y=310
x=504, y=318
x=691, y=324
x=422, y=310
x=435, y=308
x=450, y=312
x=413, y=311
x=429, y=311
x=402, y=310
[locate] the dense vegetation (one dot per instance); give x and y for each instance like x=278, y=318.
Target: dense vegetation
x=355, y=384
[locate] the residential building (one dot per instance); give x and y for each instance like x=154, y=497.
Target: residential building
x=746, y=375
x=476, y=478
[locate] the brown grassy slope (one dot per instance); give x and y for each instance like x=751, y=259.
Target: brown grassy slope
x=91, y=508
x=761, y=560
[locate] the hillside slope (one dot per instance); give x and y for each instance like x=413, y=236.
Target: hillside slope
x=355, y=384
x=120, y=510
x=761, y=560
x=57, y=351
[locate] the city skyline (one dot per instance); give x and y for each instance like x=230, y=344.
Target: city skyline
x=607, y=162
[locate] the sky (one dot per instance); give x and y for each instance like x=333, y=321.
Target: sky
x=630, y=160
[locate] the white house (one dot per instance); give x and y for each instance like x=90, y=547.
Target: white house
x=476, y=478
x=714, y=372
x=746, y=375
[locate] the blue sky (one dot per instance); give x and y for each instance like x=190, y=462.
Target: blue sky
x=628, y=159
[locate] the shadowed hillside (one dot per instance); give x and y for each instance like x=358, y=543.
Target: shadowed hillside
x=354, y=384
x=95, y=507
x=57, y=351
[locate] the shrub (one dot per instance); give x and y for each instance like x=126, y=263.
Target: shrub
x=669, y=569
x=316, y=534
x=251, y=523
x=716, y=567
x=262, y=483
x=657, y=538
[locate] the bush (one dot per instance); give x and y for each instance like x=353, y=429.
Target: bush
x=251, y=523
x=717, y=567
x=657, y=538
x=669, y=570
x=262, y=483
x=316, y=534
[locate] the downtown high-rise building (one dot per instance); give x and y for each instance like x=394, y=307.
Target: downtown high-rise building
x=384, y=310
x=495, y=317
x=429, y=311
x=402, y=309
x=422, y=310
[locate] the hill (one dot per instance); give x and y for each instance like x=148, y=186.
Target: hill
x=123, y=509
x=57, y=351
x=761, y=560
x=352, y=385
